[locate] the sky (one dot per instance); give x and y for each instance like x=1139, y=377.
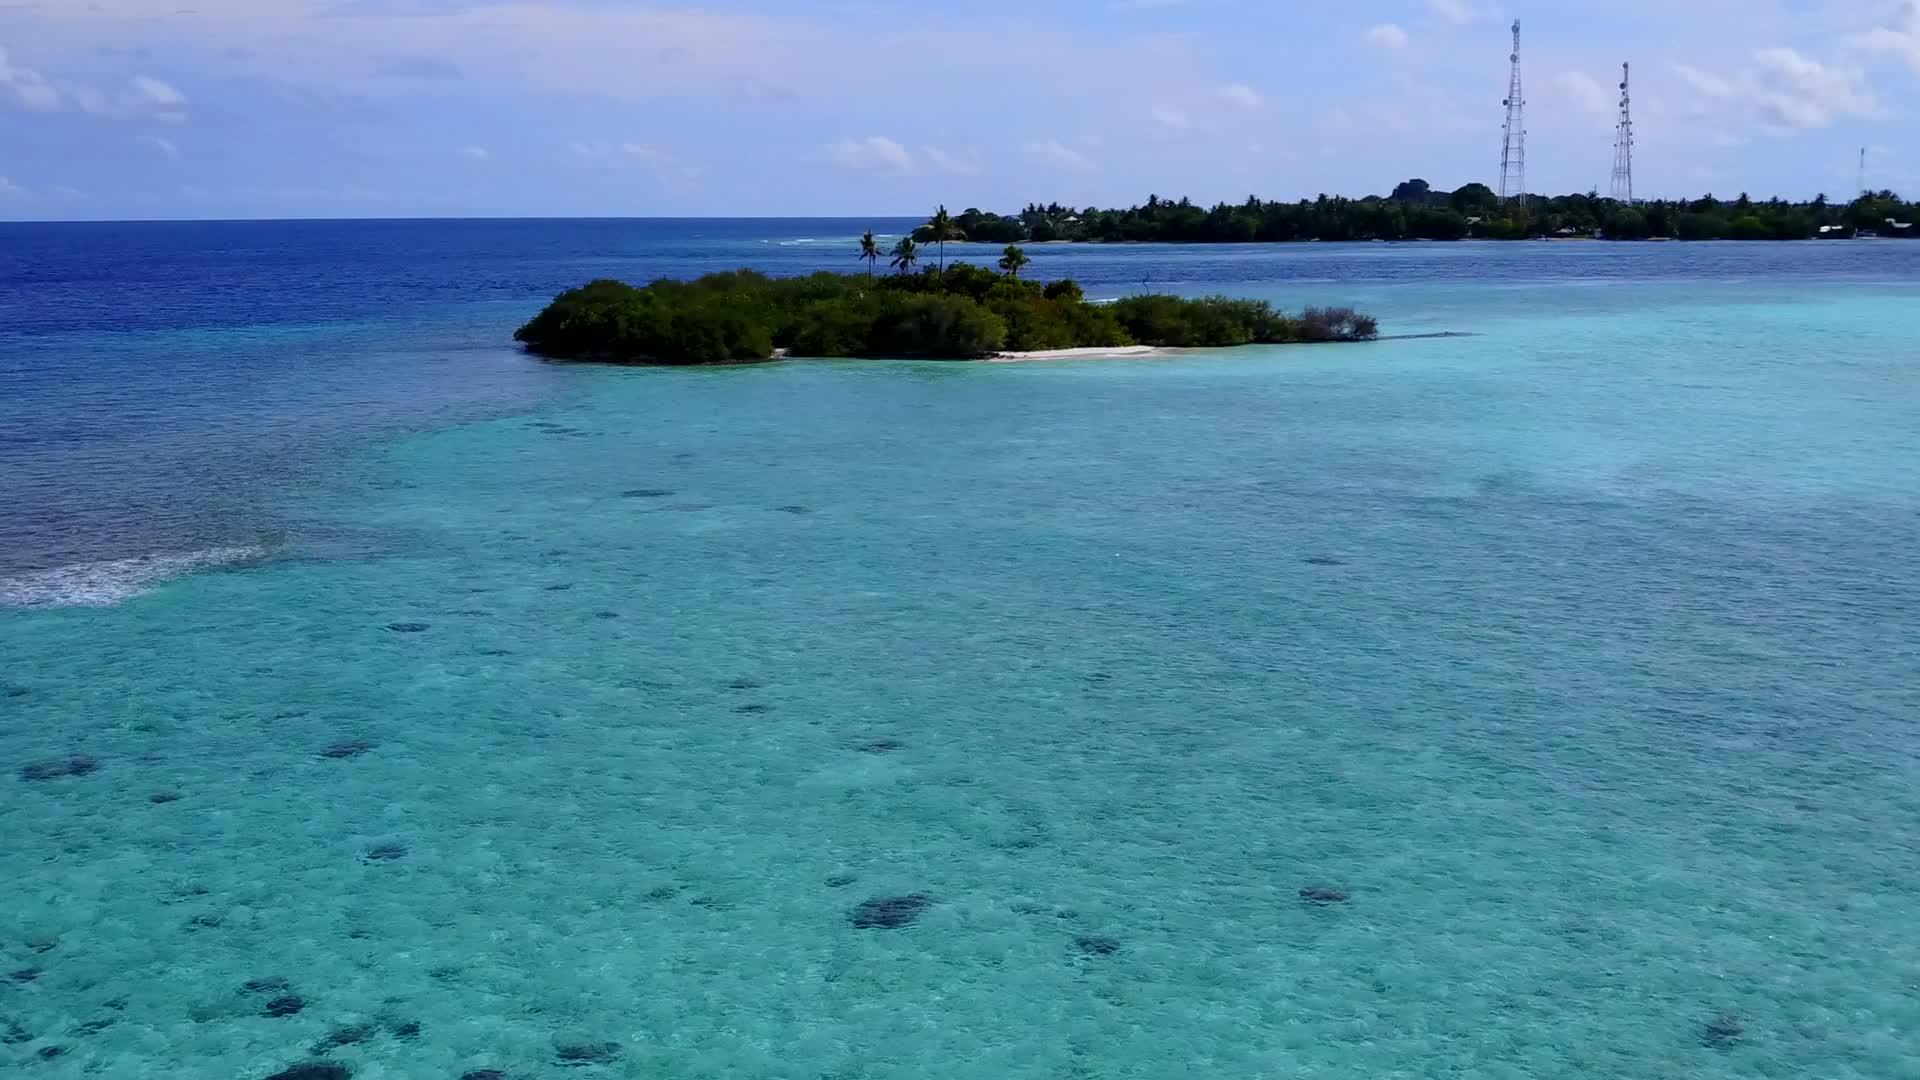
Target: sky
x=142, y=109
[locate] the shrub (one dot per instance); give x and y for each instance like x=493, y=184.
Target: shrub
x=943, y=327
x=966, y=279
x=1065, y=289
x=1335, y=324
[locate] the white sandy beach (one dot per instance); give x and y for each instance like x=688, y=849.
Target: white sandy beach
x=1093, y=353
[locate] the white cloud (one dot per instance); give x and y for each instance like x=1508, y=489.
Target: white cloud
x=1704, y=82
x=1787, y=90
x=1240, y=94
x=875, y=152
x=1584, y=91
x=611, y=151
x=1053, y=152
x=1168, y=116
x=1796, y=91
x=1387, y=36
x=1457, y=12
x=27, y=87
x=948, y=163
x=476, y=153
x=9, y=189
x=1899, y=38
x=157, y=92
x=664, y=164
x=165, y=147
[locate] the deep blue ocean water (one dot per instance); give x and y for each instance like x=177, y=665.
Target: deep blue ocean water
x=566, y=720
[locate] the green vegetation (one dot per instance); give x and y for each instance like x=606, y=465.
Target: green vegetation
x=941, y=229
x=905, y=254
x=1414, y=211
x=964, y=313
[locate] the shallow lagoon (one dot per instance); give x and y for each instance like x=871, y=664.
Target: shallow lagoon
x=582, y=722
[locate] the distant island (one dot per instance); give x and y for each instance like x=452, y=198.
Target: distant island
x=946, y=312
x=1414, y=211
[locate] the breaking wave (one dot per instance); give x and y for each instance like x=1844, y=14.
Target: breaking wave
x=113, y=581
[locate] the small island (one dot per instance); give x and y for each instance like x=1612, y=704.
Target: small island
x=943, y=312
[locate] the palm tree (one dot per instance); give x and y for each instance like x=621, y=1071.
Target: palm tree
x=870, y=251
x=905, y=254
x=940, y=228
x=1013, y=259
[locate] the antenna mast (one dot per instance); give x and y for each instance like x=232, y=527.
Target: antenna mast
x=1623, y=142
x=1862, y=186
x=1513, y=155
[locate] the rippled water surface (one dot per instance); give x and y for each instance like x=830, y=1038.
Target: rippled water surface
x=1540, y=702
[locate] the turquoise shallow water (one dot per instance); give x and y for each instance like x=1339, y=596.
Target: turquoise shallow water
x=1577, y=654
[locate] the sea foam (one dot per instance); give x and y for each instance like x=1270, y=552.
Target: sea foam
x=113, y=581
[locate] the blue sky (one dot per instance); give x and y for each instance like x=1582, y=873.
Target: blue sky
x=296, y=108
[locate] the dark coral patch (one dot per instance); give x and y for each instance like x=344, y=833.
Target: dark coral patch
x=12, y=1034
x=794, y=509
x=586, y=1053
x=314, y=1070
x=386, y=852
x=409, y=627
x=288, y=1005
x=1324, y=895
x=752, y=709
x=350, y=1035
x=161, y=798
x=881, y=746
x=562, y=587
x=271, y=984
x=890, y=912
x=24, y=975
x=744, y=684
x=841, y=881
x=352, y=748
x=406, y=1029
x=483, y=1074
x=1724, y=1030
x=646, y=493
x=1096, y=945
x=1323, y=560
x=48, y=1053
x=76, y=765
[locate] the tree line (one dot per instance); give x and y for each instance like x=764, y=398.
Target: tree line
x=1415, y=211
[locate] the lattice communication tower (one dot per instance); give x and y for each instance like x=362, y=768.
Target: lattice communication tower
x=1513, y=154
x=1623, y=142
